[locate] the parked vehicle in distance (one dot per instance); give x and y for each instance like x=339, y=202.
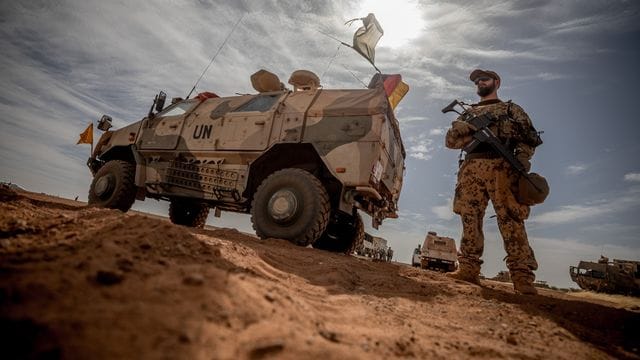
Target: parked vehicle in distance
x=416, y=257
x=616, y=277
x=439, y=253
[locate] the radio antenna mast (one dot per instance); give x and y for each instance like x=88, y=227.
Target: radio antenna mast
x=214, y=56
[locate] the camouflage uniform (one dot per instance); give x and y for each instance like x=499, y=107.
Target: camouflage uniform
x=485, y=176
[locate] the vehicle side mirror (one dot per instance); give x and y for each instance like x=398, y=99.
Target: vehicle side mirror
x=105, y=123
x=162, y=97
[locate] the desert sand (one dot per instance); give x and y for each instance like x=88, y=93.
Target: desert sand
x=78, y=282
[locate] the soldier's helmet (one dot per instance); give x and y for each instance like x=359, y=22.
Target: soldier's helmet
x=266, y=81
x=304, y=80
x=532, y=191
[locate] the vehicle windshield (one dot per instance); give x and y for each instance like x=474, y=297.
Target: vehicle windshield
x=260, y=103
x=177, y=109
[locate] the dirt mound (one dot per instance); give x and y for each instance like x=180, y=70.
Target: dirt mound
x=81, y=282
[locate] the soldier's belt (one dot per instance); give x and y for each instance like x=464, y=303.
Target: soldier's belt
x=482, y=155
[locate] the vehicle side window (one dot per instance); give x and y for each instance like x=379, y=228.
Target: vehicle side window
x=259, y=103
x=177, y=109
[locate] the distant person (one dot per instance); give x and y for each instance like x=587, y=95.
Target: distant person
x=389, y=254
x=484, y=175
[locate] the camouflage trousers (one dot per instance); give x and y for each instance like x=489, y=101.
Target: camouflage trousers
x=479, y=181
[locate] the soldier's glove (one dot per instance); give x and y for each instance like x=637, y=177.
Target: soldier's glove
x=462, y=128
x=524, y=160
x=459, y=142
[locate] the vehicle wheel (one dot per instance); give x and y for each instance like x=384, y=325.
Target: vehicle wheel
x=113, y=186
x=290, y=204
x=188, y=213
x=344, y=234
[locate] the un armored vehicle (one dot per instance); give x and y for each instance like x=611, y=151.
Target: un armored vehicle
x=616, y=277
x=438, y=253
x=302, y=162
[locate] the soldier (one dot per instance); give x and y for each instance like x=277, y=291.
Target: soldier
x=389, y=254
x=485, y=175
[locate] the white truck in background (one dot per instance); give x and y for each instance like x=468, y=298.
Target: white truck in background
x=416, y=258
x=438, y=253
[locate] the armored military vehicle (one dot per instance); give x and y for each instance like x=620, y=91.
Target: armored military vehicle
x=438, y=253
x=617, y=277
x=502, y=276
x=302, y=162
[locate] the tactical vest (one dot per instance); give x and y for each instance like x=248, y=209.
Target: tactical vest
x=506, y=127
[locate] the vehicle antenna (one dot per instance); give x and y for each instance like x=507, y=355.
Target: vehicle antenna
x=354, y=75
x=331, y=61
x=214, y=56
x=347, y=45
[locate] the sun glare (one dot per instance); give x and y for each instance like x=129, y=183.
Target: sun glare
x=401, y=20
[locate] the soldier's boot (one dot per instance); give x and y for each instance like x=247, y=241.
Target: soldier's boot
x=523, y=284
x=466, y=273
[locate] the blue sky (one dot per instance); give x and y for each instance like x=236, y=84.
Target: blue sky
x=572, y=65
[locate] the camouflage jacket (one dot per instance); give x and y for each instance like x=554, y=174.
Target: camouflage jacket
x=513, y=127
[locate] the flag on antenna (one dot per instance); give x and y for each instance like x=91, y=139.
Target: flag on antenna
x=395, y=89
x=86, y=137
x=366, y=37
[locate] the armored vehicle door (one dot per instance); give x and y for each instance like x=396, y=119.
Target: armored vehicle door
x=163, y=130
x=248, y=126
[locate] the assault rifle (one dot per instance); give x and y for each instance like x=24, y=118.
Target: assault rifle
x=484, y=135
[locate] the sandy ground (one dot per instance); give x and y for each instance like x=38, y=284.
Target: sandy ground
x=87, y=283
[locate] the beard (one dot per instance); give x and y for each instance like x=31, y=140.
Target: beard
x=486, y=90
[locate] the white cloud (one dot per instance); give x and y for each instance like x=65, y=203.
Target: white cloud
x=405, y=119
x=632, y=177
x=424, y=147
x=437, y=131
x=421, y=156
x=544, y=76
x=576, y=169
x=570, y=213
x=444, y=212
x=420, y=147
x=506, y=54
x=550, y=76
x=584, y=212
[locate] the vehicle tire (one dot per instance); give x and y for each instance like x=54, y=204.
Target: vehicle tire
x=113, y=186
x=188, y=213
x=344, y=234
x=290, y=204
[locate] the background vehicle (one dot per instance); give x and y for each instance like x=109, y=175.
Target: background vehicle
x=439, y=253
x=416, y=257
x=302, y=162
x=617, y=277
